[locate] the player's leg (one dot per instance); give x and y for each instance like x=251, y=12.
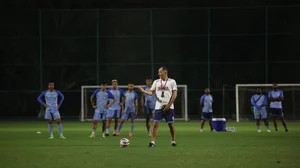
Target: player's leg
x=282, y=119
x=258, y=125
x=59, y=125
x=169, y=117
x=110, y=115
x=267, y=124
x=116, y=116
x=265, y=119
x=124, y=118
x=202, y=125
x=157, y=120
x=210, y=116
x=148, y=116
x=257, y=117
x=273, y=113
x=275, y=123
x=103, y=118
x=210, y=124
x=284, y=123
x=203, y=119
x=132, y=117
x=48, y=116
x=50, y=128
x=96, y=119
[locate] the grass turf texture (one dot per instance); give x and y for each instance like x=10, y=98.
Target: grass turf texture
x=21, y=146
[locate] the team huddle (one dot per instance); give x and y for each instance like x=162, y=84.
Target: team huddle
x=157, y=101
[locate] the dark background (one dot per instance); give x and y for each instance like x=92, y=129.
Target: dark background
x=214, y=44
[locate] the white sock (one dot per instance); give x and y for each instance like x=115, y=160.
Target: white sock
x=173, y=142
x=153, y=142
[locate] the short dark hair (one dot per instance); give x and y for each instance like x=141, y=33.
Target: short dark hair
x=148, y=78
x=104, y=82
x=50, y=81
x=130, y=82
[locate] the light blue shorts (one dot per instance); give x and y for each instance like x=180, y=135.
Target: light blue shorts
x=260, y=114
x=52, y=114
x=100, y=116
x=113, y=113
x=128, y=115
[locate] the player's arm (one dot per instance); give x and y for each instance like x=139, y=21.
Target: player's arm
x=143, y=103
x=280, y=98
x=148, y=92
x=201, y=101
x=123, y=98
x=254, y=104
x=174, y=95
x=62, y=98
x=110, y=96
x=92, y=98
x=270, y=97
x=265, y=103
x=136, y=103
x=39, y=99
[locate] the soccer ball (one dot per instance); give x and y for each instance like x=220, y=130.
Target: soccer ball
x=124, y=142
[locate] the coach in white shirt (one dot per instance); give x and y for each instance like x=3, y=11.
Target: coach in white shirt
x=165, y=90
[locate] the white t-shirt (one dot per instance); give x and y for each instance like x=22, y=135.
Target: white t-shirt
x=166, y=88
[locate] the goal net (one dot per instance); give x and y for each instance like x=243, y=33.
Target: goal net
x=87, y=111
x=244, y=92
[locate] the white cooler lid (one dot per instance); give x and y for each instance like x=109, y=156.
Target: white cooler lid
x=219, y=119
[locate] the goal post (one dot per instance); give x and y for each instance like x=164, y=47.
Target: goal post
x=181, y=102
x=244, y=92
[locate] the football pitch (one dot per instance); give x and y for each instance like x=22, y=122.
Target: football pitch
x=21, y=146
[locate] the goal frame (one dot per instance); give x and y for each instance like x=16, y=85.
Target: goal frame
x=183, y=101
x=254, y=85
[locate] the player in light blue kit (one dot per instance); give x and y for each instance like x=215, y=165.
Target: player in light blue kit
x=52, y=105
x=102, y=97
x=276, y=98
x=130, y=109
x=207, y=112
x=148, y=102
x=259, y=102
x=114, y=111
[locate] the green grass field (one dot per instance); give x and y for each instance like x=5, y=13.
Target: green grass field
x=21, y=146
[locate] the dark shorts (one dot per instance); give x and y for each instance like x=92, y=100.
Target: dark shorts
x=167, y=115
x=207, y=116
x=276, y=112
x=148, y=112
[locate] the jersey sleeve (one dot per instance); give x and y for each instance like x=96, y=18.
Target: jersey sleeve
x=253, y=101
x=136, y=96
x=281, y=94
x=39, y=99
x=110, y=95
x=174, y=85
x=121, y=92
x=62, y=97
x=265, y=100
x=269, y=95
x=202, y=99
x=153, y=87
x=95, y=92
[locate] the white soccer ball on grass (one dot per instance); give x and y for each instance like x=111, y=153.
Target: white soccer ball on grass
x=124, y=142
